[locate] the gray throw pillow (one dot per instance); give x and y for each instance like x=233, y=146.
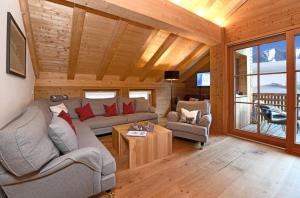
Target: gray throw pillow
x=141, y=105
x=62, y=135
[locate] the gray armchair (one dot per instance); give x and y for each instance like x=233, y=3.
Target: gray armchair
x=200, y=130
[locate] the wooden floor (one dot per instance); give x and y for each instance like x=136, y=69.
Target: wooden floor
x=226, y=167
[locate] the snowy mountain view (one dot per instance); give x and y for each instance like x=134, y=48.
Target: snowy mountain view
x=272, y=58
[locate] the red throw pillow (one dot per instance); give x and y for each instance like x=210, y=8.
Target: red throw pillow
x=128, y=108
x=85, y=112
x=110, y=110
x=67, y=118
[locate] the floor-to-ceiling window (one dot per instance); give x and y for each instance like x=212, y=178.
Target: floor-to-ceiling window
x=259, y=71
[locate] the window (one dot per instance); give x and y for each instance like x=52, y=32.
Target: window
x=100, y=94
x=141, y=94
x=260, y=89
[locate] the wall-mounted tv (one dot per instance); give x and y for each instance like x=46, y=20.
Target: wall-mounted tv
x=203, y=79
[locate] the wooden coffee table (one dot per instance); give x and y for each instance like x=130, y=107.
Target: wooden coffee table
x=142, y=150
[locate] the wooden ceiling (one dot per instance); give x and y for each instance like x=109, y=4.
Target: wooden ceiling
x=216, y=11
x=89, y=38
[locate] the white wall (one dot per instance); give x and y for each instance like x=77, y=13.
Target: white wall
x=15, y=92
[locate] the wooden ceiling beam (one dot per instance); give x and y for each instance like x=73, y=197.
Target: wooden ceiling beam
x=30, y=37
x=111, y=48
x=184, y=61
x=76, y=33
x=195, y=68
x=161, y=50
x=160, y=14
x=139, y=54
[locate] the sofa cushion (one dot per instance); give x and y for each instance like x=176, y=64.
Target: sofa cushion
x=188, y=128
x=97, y=104
x=85, y=112
x=141, y=105
x=102, y=121
x=125, y=100
x=128, y=108
x=67, y=118
x=62, y=135
x=24, y=144
x=56, y=109
x=71, y=106
x=136, y=117
x=87, y=138
x=110, y=110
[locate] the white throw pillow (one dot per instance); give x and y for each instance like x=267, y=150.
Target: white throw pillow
x=189, y=116
x=58, y=108
x=62, y=135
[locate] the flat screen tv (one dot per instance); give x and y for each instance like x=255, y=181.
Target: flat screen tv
x=203, y=79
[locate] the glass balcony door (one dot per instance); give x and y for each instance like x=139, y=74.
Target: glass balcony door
x=260, y=89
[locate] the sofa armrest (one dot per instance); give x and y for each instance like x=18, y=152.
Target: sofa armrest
x=89, y=157
x=173, y=116
x=152, y=109
x=205, y=121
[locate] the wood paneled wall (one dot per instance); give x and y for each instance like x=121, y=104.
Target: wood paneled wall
x=256, y=18
x=55, y=84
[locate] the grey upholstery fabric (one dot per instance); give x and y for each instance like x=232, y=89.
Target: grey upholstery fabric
x=173, y=116
x=141, y=105
x=43, y=105
x=76, y=181
x=188, y=128
x=97, y=104
x=71, y=105
x=62, y=135
x=205, y=121
x=90, y=157
x=198, y=131
x=24, y=144
x=102, y=121
x=122, y=100
x=203, y=106
x=86, y=138
x=136, y=117
x=108, y=181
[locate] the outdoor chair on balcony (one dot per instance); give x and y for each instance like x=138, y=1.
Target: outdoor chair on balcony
x=273, y=116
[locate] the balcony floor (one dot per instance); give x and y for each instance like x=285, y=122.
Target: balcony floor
x=274, y=130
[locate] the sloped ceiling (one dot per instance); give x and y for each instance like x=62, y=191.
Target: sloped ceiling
x=74, y=41
x=216, y=11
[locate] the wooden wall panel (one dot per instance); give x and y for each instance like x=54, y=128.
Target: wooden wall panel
x=255, y=18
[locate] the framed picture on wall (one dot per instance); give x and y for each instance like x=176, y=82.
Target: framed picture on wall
x=15, y=48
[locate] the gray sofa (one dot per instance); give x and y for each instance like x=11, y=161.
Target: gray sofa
x=103, y=125
x=198, y=132
x=32, y=167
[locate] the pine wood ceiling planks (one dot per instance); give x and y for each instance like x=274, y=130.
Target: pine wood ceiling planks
x=159, y=15
x=51, y=26
x=198, y=65
x=139, y=54
x=77, y=29
x=116, y=36
x=30, y=37
x=149, y=65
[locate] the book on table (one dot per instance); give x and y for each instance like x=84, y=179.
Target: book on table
x=137, y=133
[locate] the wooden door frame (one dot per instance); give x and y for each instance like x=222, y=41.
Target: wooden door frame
x=231, y=93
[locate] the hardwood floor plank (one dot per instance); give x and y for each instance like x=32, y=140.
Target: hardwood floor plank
x=226, y=167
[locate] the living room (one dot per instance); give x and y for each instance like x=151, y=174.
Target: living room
x=168, y=98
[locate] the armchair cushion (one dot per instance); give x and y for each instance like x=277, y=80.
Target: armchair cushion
x=188, y=128
x=173, y=116
x=189, y=117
